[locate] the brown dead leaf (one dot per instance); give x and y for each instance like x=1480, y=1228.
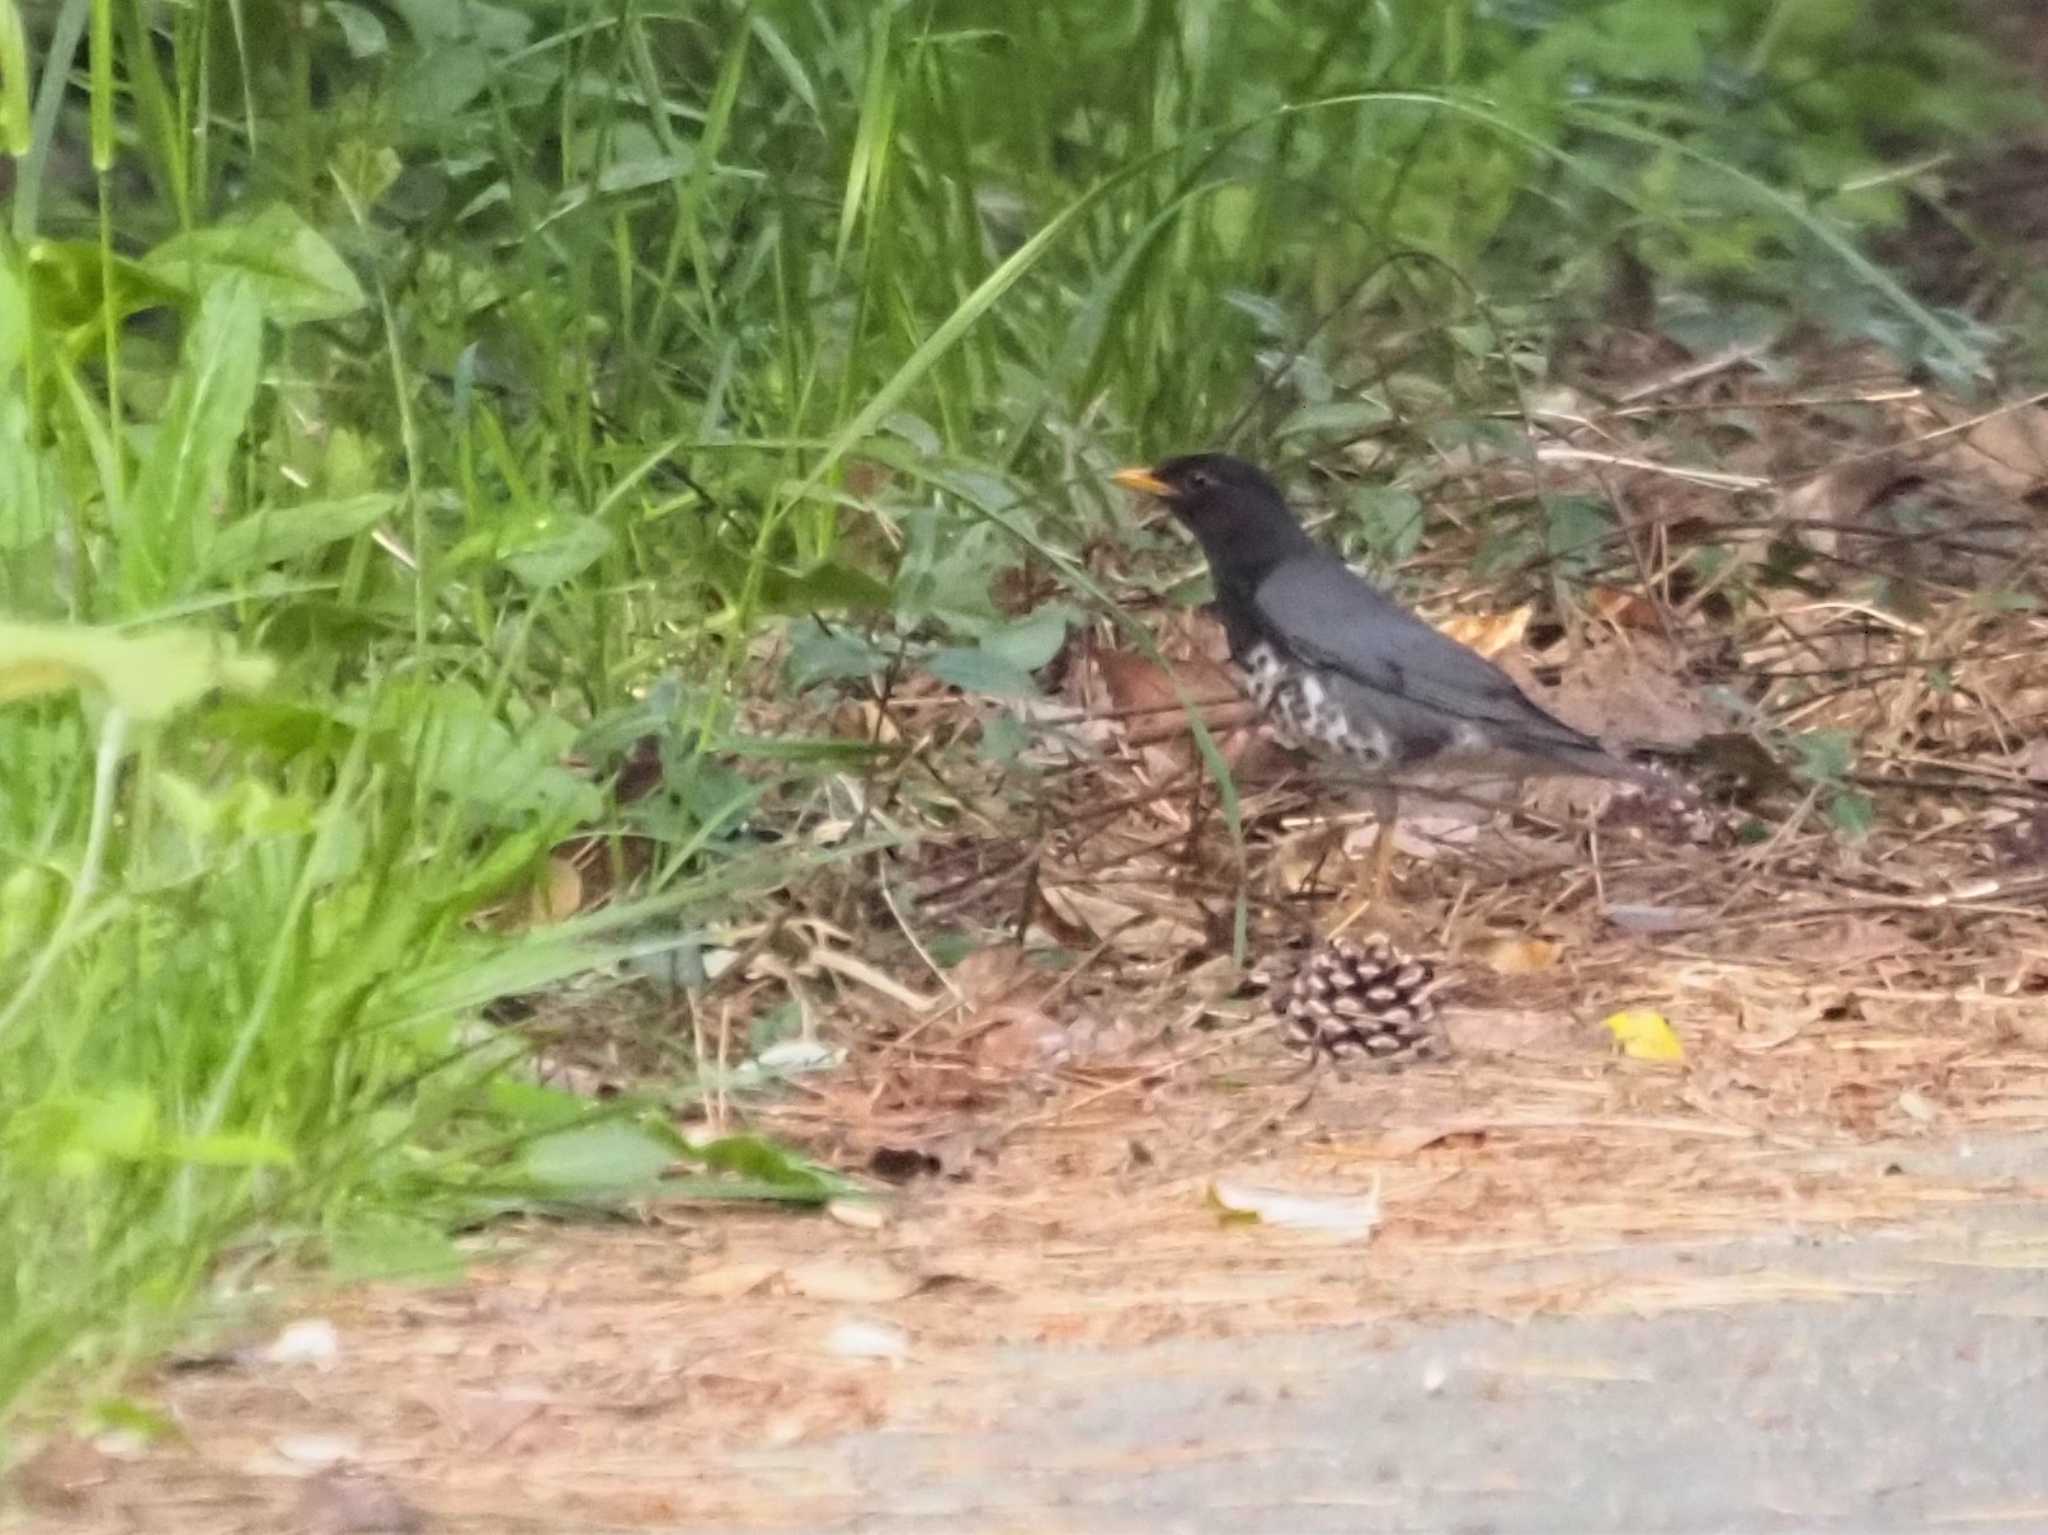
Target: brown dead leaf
x=499, y=1418
x=862, y=1281
x=1144, y=697
x=1141, y=689
x=725, y=1281
x=1849, y=943
x=1477, y=1031
x=2008, y=448
x=63, y=1477
x=866, y=478
x=1628, y=690
x=1820, y=510
x=347, y=1502
x=1136, y=929
x=1012, y=1040
x=557, y=898
x=640, y=774
x=993, y=974
x=1916, y=1105
x=1624, y=609
x=1403, y=1141
x=1520, y=956
x=862, y=719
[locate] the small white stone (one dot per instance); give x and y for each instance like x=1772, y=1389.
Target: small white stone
x=318, y=1450
x=856, y=1339
x=314, y=1342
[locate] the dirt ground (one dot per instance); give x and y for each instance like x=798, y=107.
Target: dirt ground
x=1538, y=1286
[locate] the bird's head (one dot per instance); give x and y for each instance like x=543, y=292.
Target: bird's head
x=1238, y=515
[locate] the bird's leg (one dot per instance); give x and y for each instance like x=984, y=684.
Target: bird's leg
x=1387, y=809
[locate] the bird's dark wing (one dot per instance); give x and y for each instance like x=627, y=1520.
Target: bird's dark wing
x=1327, y=616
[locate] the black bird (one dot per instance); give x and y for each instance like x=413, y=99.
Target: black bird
x=1338, y=670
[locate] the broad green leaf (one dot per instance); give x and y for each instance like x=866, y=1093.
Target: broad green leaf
x=435, y=89
x=1576, y=530
x=171, y=511
x=230, y=1148
x=122, y=1123
x=829, y=587
x=150, y=674
x=375, y=1244
x=276, y=534
x=1336, y=418
x=282, y=726
x=1824, y=754
x=1650, y=40
x=76, y=1134
x=364, y=171
x=612, y=1156
x=1852, y=814
x=27, y=518
x=1031, y=642
x=465, y=752
x=67, y=284
x=818, y=654
x=297, y=276
x=535, y=1104
x=30, y=897
x=785, y=59
x=1004, y=738
x=482, y=977
x=974, y=670
x=13, y=317
x=751, y=1157
x=829, y=750
x=136, y=1420
x=944, y=572
x=361, y=28
x=559, y=550
x=499, y=29
x=916, y=431
x=624, y=175
x=15, y=137
x=1391, y=520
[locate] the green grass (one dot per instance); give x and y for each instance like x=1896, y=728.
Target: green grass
x=394, y=399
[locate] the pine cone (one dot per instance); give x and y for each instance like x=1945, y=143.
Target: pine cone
x=1360, y=1000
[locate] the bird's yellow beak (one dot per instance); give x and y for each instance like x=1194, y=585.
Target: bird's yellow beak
x=1144, y=481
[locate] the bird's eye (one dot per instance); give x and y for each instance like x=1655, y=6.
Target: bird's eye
x=1201, y=479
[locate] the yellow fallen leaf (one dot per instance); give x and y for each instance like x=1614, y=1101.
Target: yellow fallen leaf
x=1489, y=633
x=1645, y=1035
